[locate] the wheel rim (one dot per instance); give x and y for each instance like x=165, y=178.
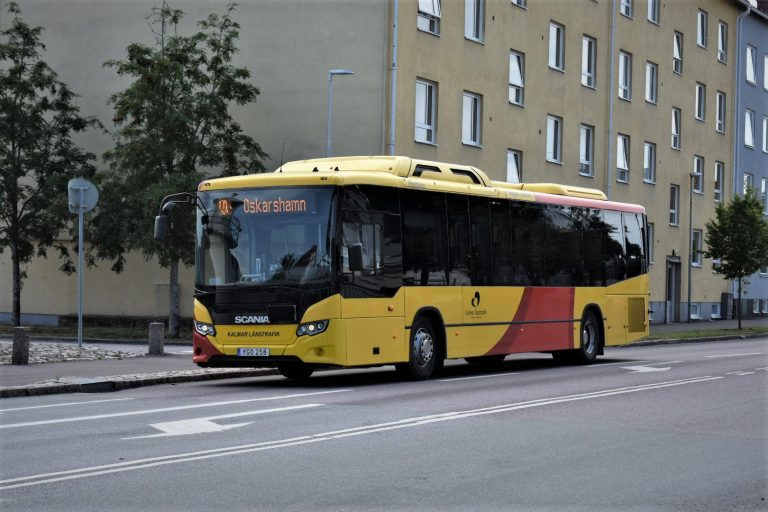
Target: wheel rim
x=588, y=337
x=423, y=347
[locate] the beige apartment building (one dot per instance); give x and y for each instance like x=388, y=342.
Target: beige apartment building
x=627, y=96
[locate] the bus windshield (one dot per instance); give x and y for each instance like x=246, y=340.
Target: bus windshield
x=264, y=237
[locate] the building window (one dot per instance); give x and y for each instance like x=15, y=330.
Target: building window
x=653, y=11
x=677, y=54
x=520, y=3
x=765, y=72
x=676, y=113
x=719, y=170
x=720, y=111
x=701, y=101
x=651, y=82
x=514, y=166
x=622, y=158
x=696, y=249
x=472, y=118
x=474, y=20
x=625, y=76
x=649, y=162
x=764, y=194
x=556, y=46
x=429, y=16
x=650, y=242
x=516, y=78
x=554, y=139
x=626, y=8
x=588, y=61
x=701, y=29
x=674, y=205
x=765, y=132
x=722, y=42
x=749, y=182
x=751, y=64
x=698, y=174
x=715, y=312
x=749, y=128
x=586, y=150
x=426, y=109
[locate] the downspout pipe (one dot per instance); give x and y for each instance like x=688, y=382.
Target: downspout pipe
x=611, y=101
x=393, y=76
x=738, y=77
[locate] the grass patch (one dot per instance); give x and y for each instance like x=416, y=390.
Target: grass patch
x=98, y=332
x=707, y=333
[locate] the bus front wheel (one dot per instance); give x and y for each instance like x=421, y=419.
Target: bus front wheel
x=296, y=371
x=424, y=356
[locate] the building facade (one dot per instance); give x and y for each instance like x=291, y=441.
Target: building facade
x=633, y=97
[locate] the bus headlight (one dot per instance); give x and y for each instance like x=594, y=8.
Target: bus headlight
x=205, y=329
x=312, y=328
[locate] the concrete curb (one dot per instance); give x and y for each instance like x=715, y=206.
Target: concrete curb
x=675, y=341
x=117, y=383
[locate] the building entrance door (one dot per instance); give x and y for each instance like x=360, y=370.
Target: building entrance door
x=673, y=289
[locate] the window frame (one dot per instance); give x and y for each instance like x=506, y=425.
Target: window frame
x=554, y=139
x=653, y=86
x=653, y=11
x=720, y=114
x=517, y=158
x=765, y=133
x=748, y=181
x=722, y=41
x=649, y=162
x=518, y=89
x=428, y=16
x=623, y=159
x=587, y=150
x=718, y=187
x=764, y=194
x=475, y=119
x=697, y=238
x=474, y=25
x=749, y=128
x=702, y=28
x=677, y=119
x=698, y=171
x=589, y=61
x=627, y=8
x=556, y=53
x=677, y=48
x=625, y=75
x=700, y=106
x=750, y=72
x=430, y=110
x=674, y=205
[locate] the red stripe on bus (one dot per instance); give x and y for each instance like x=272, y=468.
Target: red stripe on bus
x=550, y=311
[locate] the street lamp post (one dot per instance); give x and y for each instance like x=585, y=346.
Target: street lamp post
x=690, y=240
x=329, y=128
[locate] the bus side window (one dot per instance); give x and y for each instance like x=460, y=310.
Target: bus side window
x=613, y=248
x=633, y=227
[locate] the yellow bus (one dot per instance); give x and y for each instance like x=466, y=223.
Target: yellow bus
x=369, y=261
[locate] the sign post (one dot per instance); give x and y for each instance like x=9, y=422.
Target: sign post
x=83, y=196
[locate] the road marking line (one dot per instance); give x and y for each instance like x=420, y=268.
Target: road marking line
x=738, y=355
x=72, y=474
x=165, y=409
x=600, y=365
x=63, y=405
x=740, y=373
x=479, y=377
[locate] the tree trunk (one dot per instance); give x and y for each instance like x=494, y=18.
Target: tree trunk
x=738, y=310
x=173, y=303
x=16, y=315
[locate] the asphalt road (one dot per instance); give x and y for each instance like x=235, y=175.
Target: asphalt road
x=670, y=428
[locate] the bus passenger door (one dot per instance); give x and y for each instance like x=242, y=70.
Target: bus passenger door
x=372, y=305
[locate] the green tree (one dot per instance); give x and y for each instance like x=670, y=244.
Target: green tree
x=738, y=238
x=38, y=117
x=173, y=127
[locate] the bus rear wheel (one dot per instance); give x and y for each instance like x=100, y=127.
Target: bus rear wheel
x=589, y=344
x=424, y=357
x=295, y=371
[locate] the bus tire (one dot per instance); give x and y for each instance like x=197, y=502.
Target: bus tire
x=424, y=352
x=589, y=343
x=295, y=371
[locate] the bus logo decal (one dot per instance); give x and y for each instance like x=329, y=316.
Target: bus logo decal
x=476, y=300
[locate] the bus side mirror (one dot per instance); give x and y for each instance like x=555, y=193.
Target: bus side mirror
x=161, y=227
x=355, y=254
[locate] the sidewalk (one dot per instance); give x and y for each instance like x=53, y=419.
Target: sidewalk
x=116, y=374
